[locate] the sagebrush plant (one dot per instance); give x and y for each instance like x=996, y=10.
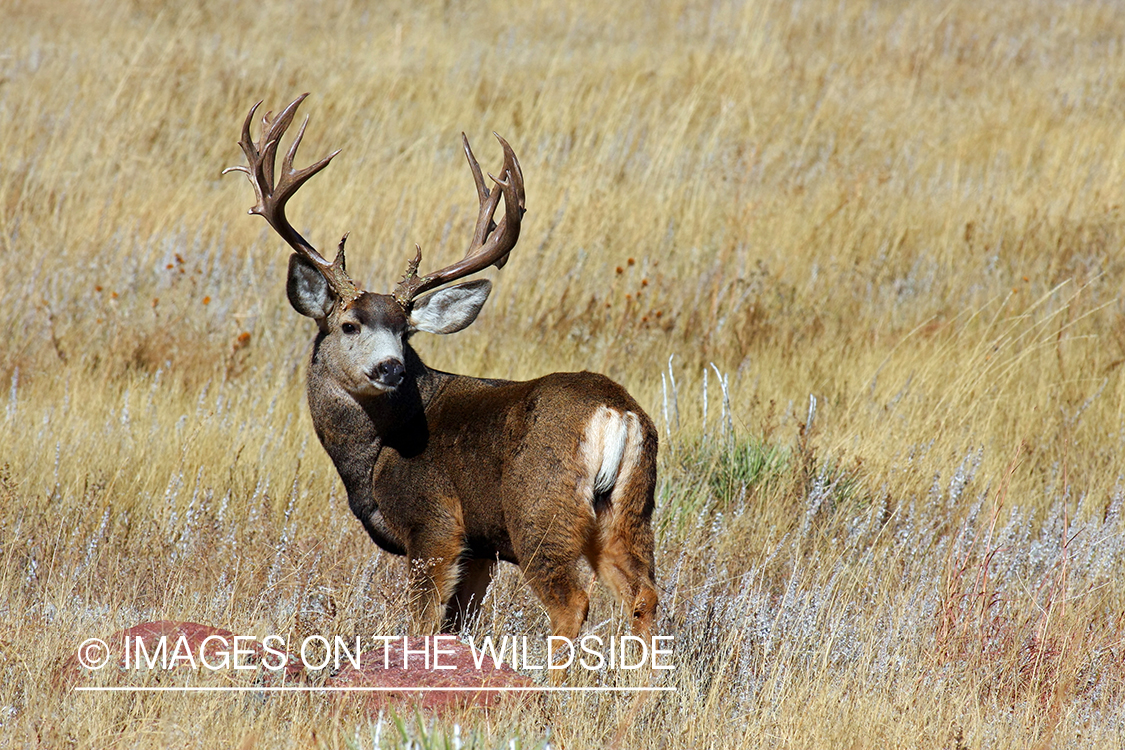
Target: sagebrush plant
x=889, y=235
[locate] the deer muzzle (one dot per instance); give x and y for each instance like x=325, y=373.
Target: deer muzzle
x=389, y=373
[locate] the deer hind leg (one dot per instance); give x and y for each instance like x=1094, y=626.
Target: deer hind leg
x=462, y=609
x=559, y=588
x=551, y=534
x=549, y=547
x=621, y=551
x=627, y=571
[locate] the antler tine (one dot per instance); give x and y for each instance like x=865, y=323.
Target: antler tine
x=478, y=178
x=261, y=158
x=514, y=197
x=491, y=242
x=488, y=201
x=248, y=148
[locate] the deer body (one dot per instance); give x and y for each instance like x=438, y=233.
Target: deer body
x=457, y=472
x=435, y=469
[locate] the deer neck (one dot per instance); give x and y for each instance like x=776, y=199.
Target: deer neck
x=354, y=430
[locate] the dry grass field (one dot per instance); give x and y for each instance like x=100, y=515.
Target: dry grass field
x=862, y=263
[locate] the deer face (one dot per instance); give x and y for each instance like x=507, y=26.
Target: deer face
x=364, y=339
x=363, y=335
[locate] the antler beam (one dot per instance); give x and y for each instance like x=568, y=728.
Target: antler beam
x=261, y=158
x=491, y=242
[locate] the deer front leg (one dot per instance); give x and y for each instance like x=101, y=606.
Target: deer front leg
x=462, y=609
x=434, y=557
x=432, y=581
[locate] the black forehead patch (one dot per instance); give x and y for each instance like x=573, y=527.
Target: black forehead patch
x=379, y=310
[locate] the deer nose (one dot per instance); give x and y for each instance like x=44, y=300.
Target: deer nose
x=389, y=372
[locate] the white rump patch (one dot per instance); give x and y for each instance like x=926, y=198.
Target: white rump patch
x=610, y=448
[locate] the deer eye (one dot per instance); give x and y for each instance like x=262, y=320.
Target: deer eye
x=349, y=328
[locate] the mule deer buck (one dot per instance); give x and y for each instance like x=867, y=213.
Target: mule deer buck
x=452, y=471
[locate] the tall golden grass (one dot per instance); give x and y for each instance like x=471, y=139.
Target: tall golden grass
x=909, y=212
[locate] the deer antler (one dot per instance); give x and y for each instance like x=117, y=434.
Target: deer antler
x=261, y=158
x=491, y=242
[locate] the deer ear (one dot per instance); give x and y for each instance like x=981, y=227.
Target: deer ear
x=307, y=289
x=451, y=309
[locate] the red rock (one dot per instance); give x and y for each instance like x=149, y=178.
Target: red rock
x=383, y=667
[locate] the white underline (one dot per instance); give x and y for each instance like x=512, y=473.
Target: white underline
x=309, y=689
